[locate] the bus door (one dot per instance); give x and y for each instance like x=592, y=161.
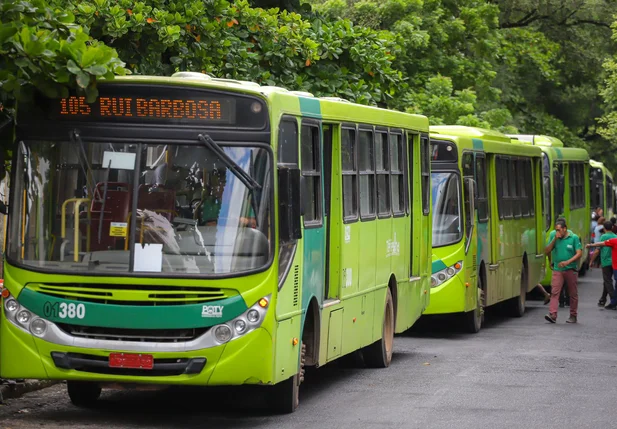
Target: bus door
x=483, y=214
x=327, y=131
x=313, y=212
x=496, y=273
x=469, y=265
x=542, y=199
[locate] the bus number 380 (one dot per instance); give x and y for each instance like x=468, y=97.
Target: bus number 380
x=63, y=310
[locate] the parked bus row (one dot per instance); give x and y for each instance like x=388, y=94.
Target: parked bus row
x=189, y=230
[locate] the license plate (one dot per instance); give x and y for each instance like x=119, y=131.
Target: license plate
x=131, y=360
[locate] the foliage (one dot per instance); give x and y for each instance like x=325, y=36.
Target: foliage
x=237, y=41
x=511, y=65
x=40, y=47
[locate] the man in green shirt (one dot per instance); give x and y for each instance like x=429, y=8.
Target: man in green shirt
x=565, y=250
x=607, y=263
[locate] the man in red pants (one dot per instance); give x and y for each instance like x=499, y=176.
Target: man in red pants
x=565, y=250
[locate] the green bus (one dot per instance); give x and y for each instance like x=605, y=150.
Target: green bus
x=565, y=190
x=601, y=188
x=488, y=245
x=189, y=230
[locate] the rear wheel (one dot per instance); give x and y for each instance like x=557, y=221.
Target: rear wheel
x=83, y=394
x=518, y=303
x=583, y=270
x=284, y=397
x=379, y=354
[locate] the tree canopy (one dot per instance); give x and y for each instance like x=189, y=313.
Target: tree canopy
x=511, y=65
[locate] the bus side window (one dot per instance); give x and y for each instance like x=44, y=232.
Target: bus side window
x=310, y=143
x=350, y=174
x=397, y=168
x=366, y=157
x=481, y=201
x=467, y=198
x=383, y=174
x=515, y=206
x=425, y=174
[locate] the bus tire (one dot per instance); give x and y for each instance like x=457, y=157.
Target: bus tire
x=518, y=303
x=475, y=318
x=82, y=393
x=284, y=397
x=583, y=270
x=379, y=354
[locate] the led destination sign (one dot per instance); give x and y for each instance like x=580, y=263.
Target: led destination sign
x=145, y=105
x=203, y=109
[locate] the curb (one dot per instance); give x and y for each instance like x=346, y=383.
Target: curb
x=12, y=391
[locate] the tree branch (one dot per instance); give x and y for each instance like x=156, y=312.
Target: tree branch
x=525, y=21
x=587, y=21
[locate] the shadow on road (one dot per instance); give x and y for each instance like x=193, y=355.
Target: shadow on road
x=196, y=407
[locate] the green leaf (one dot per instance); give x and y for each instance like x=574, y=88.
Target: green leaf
x=72, y=67
x=83, y=79
x=6, y=31
x=96, y=70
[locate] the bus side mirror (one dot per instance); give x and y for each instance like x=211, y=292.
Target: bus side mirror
x=4, y=209
x=289, y=204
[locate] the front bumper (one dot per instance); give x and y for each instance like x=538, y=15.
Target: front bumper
x=245, y=360
x=447, y=298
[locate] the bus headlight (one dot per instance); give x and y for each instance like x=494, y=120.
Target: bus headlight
x=23, y=317
x=11, y=305
x=248, y=321
x=38, y=327
x=446, y=274
x=222, y=333
x=240, y=326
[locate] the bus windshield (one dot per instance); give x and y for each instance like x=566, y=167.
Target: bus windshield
x=129, y=207
x=447, y=224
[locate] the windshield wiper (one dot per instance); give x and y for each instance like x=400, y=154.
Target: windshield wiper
x=245, y=178
x=75, y=137
x=104, y=200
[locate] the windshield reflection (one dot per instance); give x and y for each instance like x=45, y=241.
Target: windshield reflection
x=187, y=213
x=447, y=225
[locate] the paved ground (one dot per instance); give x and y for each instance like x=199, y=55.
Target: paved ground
x=516, y=373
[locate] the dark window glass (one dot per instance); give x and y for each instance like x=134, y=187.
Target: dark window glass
x=397, y=177
x=311, y=167
x=482, y=201
x=350, y=176
x=288, y=142
x=367, y=174
x=383, y=174
x=425, y=174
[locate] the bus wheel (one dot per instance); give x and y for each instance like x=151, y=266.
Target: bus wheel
x=583, y=269
x=518, y=303
x=379, y=354
x=82, y=393
x=475, y=318
x=284, y=397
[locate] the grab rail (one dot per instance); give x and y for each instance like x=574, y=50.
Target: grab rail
x=78, y=202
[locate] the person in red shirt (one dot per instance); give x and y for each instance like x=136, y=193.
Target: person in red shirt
x=612, y=243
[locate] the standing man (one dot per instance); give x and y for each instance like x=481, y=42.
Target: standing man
x=611, y=243
x=565, y=250
x=607, y=264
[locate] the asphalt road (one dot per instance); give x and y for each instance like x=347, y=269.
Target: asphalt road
x=516, y=373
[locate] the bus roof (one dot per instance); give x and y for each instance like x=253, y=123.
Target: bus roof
x=488, y=141
x=470, y=132
x=290, y=102
x=538, y=140
x=553, y=147
x=601, y=166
